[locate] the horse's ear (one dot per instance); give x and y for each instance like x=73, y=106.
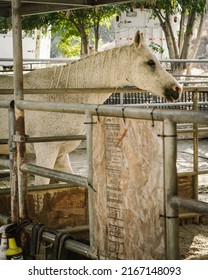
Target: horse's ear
x=138, y=39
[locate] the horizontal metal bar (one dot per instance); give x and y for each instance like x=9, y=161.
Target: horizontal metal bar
x=167, y=104
x=31, y=188
x=199, y=130
x=33, y=60
x=55, y=138
x=3, y=141
x=73, y=90
x=192, y=173
x=6, y=104
x=69, y=59
x=76, y=3
x=69, y=244
x=5, y=162
x=196, y=88
x=54, y=174
x=4, y=219
x=193, y=81
x=116, y=111
x=93, y=90
x=202, y=172
x=189, y=204
x=187, y=173
x=185, y=60
x=76, y=229
x=48, y=139
x=190, y=76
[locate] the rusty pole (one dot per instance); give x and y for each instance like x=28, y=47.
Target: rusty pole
x=19, y=138
x=13, y=166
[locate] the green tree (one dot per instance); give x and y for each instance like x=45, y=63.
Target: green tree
x=71, y=25
x=191, y=15
x=82, y=24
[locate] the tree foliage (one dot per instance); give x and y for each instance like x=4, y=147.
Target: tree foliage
x=71, y=25
x=78, y=25
x=191, y=16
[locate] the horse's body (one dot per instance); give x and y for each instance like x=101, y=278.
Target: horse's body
x=127, y=65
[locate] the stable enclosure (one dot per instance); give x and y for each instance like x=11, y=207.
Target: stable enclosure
x=132, y=183
x=127, y=206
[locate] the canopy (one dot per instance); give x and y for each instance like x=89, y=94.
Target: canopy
x=30, y=7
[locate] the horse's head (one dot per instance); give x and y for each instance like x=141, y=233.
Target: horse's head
x=148, y=74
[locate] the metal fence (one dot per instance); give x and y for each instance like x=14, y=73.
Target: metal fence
x=147, y=99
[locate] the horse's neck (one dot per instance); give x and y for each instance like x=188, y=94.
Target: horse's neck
x=104, y=69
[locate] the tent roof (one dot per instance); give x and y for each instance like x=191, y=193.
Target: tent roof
x=44, y=6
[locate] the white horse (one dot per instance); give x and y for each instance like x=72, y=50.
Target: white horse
x=127, y=65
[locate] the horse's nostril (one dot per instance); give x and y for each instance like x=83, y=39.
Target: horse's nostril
x=177, y=89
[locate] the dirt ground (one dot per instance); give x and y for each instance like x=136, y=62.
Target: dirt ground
x=193, y=238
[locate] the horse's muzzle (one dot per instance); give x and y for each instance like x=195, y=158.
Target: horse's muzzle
x=173, y=93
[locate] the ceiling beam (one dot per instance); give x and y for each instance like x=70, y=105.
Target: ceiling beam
x=32, y=9
x=76, y=3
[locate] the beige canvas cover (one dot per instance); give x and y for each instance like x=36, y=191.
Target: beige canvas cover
x=128, y=178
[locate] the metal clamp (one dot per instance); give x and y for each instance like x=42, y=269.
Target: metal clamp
x=19, y=138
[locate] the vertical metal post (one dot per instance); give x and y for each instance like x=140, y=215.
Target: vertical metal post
x=19, y=114
x=13, y=166
x=195, y=147
x=89, y=121
x=170, y=173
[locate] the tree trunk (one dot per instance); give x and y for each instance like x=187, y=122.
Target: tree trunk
x=37, y=44
x=181, y=31
x=97, y=36
x=84, y=45
x=163, y=24
x=193, y=52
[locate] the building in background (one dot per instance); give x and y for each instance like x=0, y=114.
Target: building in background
x=36, y=46
x=128, y=23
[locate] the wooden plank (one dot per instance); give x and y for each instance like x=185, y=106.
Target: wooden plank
x=128, y=179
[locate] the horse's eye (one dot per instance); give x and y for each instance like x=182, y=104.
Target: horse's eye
x=151, y=63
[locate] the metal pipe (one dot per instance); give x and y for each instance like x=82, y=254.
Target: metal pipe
x=55, y=138
x=54, y=174
x=192, y=81
x=19, y=114
x=189, y=204
x=72, y=245
x=170, y=185
x=36, y=188
x=4, y=219
x=7, y=103
x=72, y=59
x=188, y=131
x=49, y=139
x=116, y=111
x=5, y=162
x=185, y=60
x=76, y=229
x=13, y=166
x=195, y=148
x=169, y=104
x=73, y=90
x=89, y=129
x=93, y=90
